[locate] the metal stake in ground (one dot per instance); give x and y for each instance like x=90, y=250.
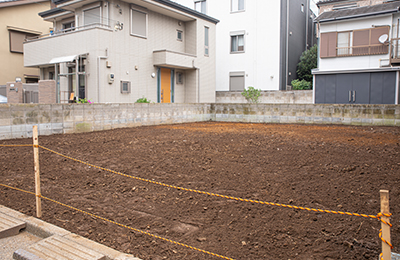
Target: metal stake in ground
x=386, y=250
x=37, y=172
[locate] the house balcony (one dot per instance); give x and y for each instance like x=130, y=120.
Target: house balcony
x=374, y=49
x=41, y=50
x=395, y=52
x=172, y=59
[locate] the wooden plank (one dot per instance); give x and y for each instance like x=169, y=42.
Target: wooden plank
x=37, y=171
x=386, y=250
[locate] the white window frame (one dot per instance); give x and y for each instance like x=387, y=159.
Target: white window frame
x=206, y=43
x=89, y=7
x=147, y=23
x=344, y=44
x=235, y=8
x=237, y=34
x=202, y=3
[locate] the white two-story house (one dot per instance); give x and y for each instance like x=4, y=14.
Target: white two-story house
x=118, y=51
x=259, y=42
x=359, y=54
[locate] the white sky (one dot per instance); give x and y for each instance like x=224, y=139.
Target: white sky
x=314, y=7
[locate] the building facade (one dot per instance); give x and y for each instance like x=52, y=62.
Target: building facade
x=18, y=20
x=359, y=55
x=120, y=51
x=259, y=43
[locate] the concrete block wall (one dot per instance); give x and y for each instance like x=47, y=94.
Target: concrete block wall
x=273, y=97
x=388, y=115
x=16, y=120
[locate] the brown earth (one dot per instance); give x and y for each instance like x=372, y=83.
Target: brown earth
x=327, y=167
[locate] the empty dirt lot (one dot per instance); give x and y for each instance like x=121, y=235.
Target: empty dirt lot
x=327, y=167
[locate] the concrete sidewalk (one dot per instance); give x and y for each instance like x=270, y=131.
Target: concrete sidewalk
x=40, y=240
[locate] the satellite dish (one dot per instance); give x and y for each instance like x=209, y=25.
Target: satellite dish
x=383, y=38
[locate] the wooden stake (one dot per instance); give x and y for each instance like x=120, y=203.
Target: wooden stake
x=386, y=250
x=37, y=172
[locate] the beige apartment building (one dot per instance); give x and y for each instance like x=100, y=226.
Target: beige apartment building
x=18, y=20
x=119, y=51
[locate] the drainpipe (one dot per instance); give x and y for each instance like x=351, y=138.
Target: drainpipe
x=307, y=11
x=98, y=74
x=287, y=44
x=57, y=78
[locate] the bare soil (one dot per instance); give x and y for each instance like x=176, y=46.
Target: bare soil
x=320, y=166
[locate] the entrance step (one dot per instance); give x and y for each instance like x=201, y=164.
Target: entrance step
x=56, y=247
x=10, y=226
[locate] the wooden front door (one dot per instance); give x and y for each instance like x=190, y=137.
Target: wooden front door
x=165, y=85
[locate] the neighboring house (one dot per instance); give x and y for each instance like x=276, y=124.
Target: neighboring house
x=18, y=20
x=359, y=55
x=120, y=51
x=333, y=5
x=259, y=42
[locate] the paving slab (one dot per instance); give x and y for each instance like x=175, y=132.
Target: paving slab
x=48, y=237
x=10, y=226
x=9, y=245
x=57, y=247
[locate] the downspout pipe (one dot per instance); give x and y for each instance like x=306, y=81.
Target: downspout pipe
x=98, y=74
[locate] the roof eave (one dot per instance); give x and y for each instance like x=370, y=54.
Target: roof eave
x=357, y=16
x=169, y=4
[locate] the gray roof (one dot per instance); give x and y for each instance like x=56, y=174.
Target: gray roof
x=358, y=12
x=170, y=4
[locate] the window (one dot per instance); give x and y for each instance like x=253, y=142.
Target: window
x=206, y=43
x=92, y=15
x=179, y=78
x=236, y=81
x=17, y=41
x=125, y=87
x=237, y=5
x=68, y=26
x=237, y=42
x=344, y=42
x=179, y=35
x=201, y=6
x=138, y=23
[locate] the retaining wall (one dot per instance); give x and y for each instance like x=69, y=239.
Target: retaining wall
x=16, y=120
x=268, y=97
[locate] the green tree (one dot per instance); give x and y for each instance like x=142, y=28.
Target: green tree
x=308, y=61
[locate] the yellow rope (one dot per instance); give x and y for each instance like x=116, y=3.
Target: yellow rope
x=121, y=225
x=214, y=194
x=15, y=145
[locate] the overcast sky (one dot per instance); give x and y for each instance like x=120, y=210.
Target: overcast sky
x=313, y=6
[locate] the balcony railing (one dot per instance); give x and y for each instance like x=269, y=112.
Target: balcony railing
x=69, y=30
x=374, y=49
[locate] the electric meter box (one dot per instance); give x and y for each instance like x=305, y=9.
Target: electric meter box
x=111, y=77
